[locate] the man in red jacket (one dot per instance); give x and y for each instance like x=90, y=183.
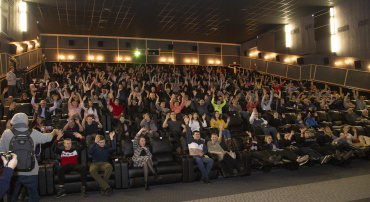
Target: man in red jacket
x=69, y=162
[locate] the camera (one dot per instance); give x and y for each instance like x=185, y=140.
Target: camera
x=7, y=155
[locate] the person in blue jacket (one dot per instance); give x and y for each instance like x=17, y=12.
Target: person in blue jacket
x=100, y=162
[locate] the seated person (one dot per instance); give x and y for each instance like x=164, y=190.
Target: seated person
x=151, y=128
x=71, y=128
x=100, y=162
x=352, y=118
x=74, y=107
x=279, y=122
x=216, y=121
x=174, y=126
x=197, y=149
x=215, y=148
x=175, y=105
x=143, y=158
x=299, y=121
x=221, y=102
x=266, y=103
x=350, y=140
x=121, y=128
x=90, y=127
x=90, y=109
x=311, y=121
x=202, y=106
x=270, y=146
x=266, y=129
x=117, y=109
x=69, y=162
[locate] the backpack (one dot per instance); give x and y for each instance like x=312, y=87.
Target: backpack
x=22, y=145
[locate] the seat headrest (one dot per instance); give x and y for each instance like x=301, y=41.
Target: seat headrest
x=160, y=145
x=127, y=148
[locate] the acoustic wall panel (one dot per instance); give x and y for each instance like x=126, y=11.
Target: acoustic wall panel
x=183, y=47
x=134, y=44
x=305, y=72
x=261, y=65
x=78, y=55
x=108, y=43
x=209, y=48
x=330, y=74
x=79, y=42
x=227, y=60
x=163, y=45
x=358, y=79
x=277, y=69
x=49, y=41
x=294, y=72
x=230, y=50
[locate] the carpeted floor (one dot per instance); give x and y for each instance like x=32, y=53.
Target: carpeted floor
x=318, y=183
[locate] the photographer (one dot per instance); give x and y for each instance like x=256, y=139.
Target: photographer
x=7, y=174
x=28, y=179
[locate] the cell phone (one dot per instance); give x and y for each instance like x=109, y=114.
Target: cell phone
x=48, y=127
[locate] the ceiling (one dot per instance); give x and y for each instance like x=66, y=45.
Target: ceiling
x=228, y=21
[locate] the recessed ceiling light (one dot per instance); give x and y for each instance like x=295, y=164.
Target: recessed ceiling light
x=107, y=9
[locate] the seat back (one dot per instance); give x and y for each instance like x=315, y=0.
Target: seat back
x=24, y=108
x=290, y=118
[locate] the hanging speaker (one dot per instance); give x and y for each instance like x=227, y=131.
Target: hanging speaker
x=326, y=60
x=100, y=43
x=358, y=64
x=278, y=58
x=195, y=48
x=71, y=42
x=259, y=55
x=170, y=46
x=12, y=49
x=300, y=61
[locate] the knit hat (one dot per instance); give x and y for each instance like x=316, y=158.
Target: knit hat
x=19, y=120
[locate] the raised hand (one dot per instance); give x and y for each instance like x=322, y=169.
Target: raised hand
x=186, y=119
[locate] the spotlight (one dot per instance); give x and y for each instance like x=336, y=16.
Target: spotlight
x=195, y=61
x=211, y=62
x=71, y=57
x=163, y=59
x=91, y=57
x=62, y=57
x=170, y=60
x=218, y=62
x=250, y=54
x=119, y=58
x=128, y=59
x=187, y=60
x=287, y=60
x=137, y=53
x=99, y=58
x=267, y=57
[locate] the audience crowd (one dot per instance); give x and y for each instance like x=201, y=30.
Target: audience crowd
x=277, y=120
